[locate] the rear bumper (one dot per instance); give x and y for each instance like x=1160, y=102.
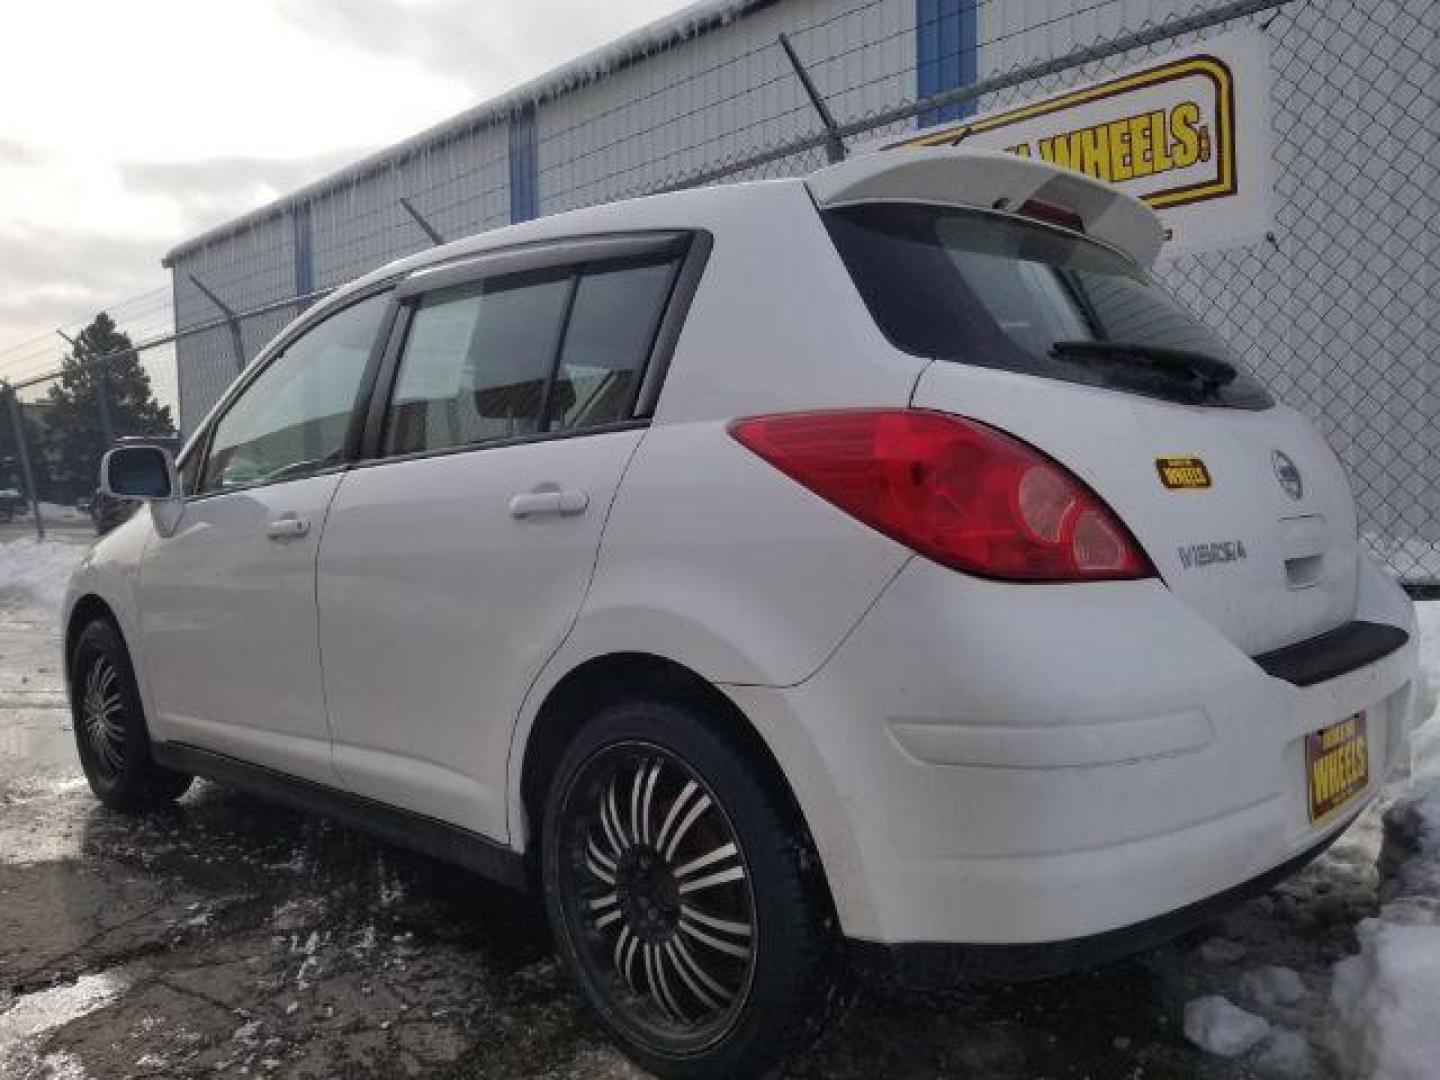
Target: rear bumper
x=942, y=964
x=1003, y=765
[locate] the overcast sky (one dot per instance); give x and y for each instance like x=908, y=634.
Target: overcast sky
x=127, y=127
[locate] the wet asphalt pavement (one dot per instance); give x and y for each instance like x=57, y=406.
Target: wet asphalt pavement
x=227, y=937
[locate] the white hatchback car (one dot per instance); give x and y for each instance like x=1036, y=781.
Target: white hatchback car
x=864, y=568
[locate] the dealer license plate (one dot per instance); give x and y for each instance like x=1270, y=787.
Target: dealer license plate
x=1337, y=765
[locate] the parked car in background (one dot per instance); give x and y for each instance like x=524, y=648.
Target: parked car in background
x=876, y=569
x=12, y=504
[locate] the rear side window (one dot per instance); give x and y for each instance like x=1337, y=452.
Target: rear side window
x=999, y=292
x=476, y=364
x=558, y=350
x=617, y=312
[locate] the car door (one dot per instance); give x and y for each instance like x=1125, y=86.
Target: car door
x=455, y=560
x=227, y=602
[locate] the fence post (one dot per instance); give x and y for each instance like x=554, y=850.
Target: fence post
x=237, y=341
x=834, y=144
x=425, y=226
x=17, y=420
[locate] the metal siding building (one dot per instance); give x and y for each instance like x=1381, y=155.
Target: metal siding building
x=1336, y=311
x=708, y=87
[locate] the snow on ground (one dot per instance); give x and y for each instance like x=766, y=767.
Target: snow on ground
x=33, y=573
x=1386, y=999
x=1378, y=1019
x=1214, y=1024
x=1382, y=1021
x=23, y=1024
x=1425, y=742
x=62, y=512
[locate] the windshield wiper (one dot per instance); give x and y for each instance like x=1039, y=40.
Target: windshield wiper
x=1211, y=371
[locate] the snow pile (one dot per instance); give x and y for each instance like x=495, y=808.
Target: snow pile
x=1385, y=999
x=1213, y=1024
x=35, y=572
x=61, y=512
x=1425, y=742
x=1385, y=1002
x=1219, y=950
x=1271, y=985
x=1287, y=1054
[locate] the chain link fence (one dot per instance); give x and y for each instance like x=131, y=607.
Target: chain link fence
x=1335, y=310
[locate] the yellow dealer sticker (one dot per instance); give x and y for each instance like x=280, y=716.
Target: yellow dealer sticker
x=1182, y=473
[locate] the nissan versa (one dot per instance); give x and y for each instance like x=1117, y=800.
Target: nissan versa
x=857, y=571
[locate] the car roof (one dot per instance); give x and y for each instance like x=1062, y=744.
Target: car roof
x=671, y=210
x=981, y=179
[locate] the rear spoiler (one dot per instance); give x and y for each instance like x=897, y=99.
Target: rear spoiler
x=992, y=180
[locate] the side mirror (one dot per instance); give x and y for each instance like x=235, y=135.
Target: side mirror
x=139, y=472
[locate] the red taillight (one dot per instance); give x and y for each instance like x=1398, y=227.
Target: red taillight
x=955, y=490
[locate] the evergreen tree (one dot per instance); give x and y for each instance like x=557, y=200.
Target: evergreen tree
x=75, y=422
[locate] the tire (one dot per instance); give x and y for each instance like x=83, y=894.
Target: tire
x=110, y=732
x=700, y=961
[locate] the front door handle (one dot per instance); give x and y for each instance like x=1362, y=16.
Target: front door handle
x=287, y=527
x=548, y=501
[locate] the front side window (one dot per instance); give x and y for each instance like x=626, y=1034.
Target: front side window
x=524, y=354
x=293, y=419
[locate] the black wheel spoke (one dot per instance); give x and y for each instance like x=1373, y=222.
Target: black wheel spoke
x=658, y=887
x=102, y=712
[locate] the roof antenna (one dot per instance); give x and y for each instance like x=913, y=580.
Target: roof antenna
x=834, y=144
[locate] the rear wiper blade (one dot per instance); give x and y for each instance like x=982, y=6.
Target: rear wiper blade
x=1212, y=372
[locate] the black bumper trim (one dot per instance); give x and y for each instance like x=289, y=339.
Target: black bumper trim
x=944, y=964
x=1334, y=653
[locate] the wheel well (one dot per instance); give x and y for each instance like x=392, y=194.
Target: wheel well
x=86, y=610
x=608, y=679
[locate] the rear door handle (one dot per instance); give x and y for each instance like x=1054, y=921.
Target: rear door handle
x=287, y=527
x=535, y=503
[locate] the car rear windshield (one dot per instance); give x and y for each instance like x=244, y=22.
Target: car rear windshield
x=997, y=291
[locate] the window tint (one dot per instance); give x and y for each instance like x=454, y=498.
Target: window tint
x=611, y=330
x=476, y=363
x=292, y=420
x=487, y=361
x=998, y=292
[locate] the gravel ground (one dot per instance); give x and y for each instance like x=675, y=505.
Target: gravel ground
x=229, y=937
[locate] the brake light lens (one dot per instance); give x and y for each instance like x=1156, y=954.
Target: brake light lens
x=1052, y=215
x=955, y=490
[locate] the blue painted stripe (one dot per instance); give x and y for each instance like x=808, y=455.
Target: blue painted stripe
x=947, y=47
x=304, y=250
x=524, y=165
